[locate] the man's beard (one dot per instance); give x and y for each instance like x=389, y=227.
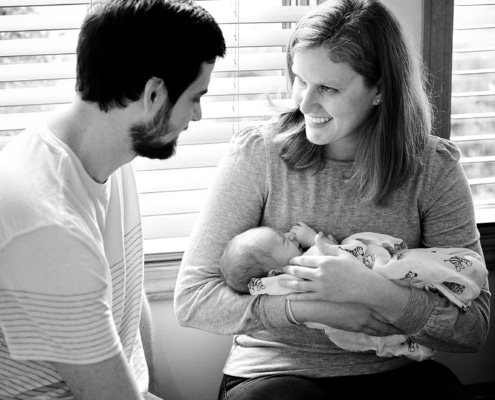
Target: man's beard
x=147, y=138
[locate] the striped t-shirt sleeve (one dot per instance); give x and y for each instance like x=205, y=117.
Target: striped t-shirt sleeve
x=55, y=300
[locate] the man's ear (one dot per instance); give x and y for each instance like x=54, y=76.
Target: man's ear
x=155, y=94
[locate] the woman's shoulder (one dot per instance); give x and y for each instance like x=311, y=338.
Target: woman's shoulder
x=442, y=151
x=441, y=163
x=254, y=138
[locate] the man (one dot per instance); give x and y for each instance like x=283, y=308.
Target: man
x=71, y=262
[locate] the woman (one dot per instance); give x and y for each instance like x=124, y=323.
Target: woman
x=356, y=154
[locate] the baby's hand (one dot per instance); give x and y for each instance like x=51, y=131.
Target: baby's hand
x=304, y=234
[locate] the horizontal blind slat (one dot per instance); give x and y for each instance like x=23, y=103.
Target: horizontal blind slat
x=37, y=71
x=67, y=70
x=474, y=71
x=225, y=13
x=43, y=22
x=161, y=247
x=33, y=47
x=473, y=115
x=65, y=93
x=168, y=226
x=34, y=3
x=482, y=181
x=25, y=23
x=475, y=160
x=166, y=203
x=475, y=138
x=215, y=110
x=36, y=96
x=474, y=94
x=157, y=181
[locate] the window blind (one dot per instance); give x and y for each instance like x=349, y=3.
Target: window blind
x=473, y=99
x=37, y=74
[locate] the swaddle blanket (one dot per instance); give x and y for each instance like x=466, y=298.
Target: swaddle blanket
x=457, y=273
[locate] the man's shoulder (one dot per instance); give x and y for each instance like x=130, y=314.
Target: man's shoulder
x=30, y=191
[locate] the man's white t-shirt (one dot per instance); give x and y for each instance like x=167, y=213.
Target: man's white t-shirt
x=71, y=267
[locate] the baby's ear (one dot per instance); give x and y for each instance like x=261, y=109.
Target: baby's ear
x=274, y=272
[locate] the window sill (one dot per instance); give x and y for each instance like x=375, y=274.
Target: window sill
x=161, y=272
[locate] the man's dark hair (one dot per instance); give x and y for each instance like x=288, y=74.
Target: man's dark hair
x=124, y=43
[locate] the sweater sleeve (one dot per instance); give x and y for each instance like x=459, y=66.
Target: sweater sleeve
x=235, y=203
x=447, y=221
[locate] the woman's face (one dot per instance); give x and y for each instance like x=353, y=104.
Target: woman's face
x=334, y=99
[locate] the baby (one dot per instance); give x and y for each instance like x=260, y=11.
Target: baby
x=263, y=251
x=252, y=263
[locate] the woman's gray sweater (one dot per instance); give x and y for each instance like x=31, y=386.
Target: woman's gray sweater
x=255, y=187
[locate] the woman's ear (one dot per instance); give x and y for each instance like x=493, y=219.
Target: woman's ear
x=378, y=95
x=155, y=94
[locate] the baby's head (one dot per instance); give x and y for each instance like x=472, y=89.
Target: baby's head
x=256, y=253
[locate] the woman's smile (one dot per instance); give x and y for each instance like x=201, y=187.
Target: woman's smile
x=316, y=122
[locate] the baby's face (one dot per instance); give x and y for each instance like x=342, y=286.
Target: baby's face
x=283, y=246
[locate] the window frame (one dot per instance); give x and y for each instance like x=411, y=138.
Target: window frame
x=438, y=26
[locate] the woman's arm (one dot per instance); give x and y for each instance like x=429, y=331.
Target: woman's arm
x=350, y=317
x=234, y=204
x=341, y=280
x=448, y=220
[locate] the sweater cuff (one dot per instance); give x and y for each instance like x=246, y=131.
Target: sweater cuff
x=272, y=312
x=416, y=313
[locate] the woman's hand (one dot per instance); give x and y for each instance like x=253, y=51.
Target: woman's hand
x=337, y=277
x=341, y=278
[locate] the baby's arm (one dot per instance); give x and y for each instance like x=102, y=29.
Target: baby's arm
x=306, y=235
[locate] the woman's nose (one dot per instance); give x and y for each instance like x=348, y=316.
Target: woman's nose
x=307, y=100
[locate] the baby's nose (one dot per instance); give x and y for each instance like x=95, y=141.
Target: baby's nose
x=290, y=236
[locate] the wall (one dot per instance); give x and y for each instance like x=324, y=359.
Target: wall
x=189, y=362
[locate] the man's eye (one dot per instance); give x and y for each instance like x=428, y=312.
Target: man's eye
x=327, y=89
x=300, y=81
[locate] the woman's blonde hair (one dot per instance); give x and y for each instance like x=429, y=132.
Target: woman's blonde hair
x=365, y=35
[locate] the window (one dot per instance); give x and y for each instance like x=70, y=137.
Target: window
x=464, y=88
x=37, y=74
x=172, y=190
x=473, y=99
x=460, y=56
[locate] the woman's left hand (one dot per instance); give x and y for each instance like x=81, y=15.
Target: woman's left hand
x=337, y=278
